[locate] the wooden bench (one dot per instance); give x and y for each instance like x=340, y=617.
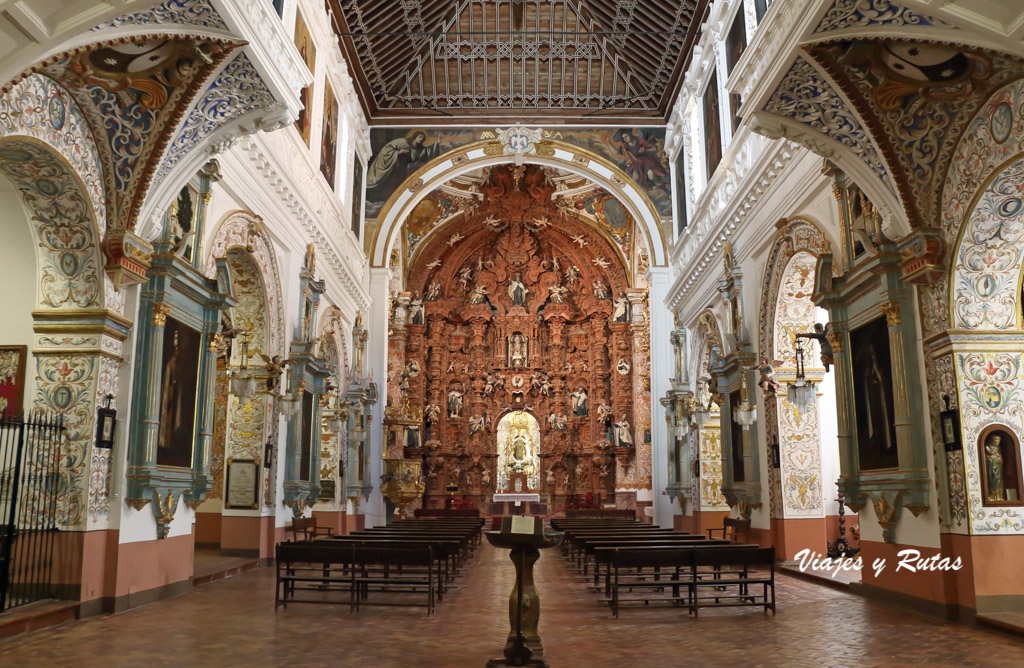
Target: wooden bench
x=738, y=526
x=653, y=569
x=303, y=566
x=739, y=575
x=405, y=571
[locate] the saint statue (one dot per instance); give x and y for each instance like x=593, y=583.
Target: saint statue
x=478, y=295
x=994, y=467
x=416, y=311
x=620, y=312
x=517, y=291
x=517, y=350
x=622, y=433
x=433, y=291
x=601, y=290
x=454, y=403
x=873, y=385
x=579, y=403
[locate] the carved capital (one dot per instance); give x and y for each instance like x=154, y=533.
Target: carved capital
x=891, y=310
x=160, y=312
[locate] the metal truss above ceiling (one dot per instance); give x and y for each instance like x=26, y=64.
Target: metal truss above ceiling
x=589, y=61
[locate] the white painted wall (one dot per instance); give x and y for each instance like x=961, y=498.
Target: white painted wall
x=18, y=273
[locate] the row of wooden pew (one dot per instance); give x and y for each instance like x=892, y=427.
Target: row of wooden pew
x=639, y=563
x=407, y=563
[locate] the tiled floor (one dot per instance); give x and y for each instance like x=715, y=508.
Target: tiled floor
x=232, y=623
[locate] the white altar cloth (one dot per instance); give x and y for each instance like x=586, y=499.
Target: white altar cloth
x=516, y=497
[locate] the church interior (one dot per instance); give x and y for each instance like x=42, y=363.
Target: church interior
x=681, y=321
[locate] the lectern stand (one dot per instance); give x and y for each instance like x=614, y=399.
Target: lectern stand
x=524, y=603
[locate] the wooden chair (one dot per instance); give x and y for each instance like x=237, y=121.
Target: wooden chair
x=738, y=526
x=305, y=528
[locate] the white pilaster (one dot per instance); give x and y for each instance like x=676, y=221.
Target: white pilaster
x=662, y=364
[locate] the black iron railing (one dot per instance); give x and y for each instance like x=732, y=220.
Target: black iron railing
x=30, y=451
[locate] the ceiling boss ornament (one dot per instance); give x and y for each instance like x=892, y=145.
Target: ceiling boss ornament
x=519, y=142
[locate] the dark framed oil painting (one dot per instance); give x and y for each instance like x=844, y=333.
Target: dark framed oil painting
x=738, y=473
x=179, y=386
x=874, y=408
x=306, y=437
x=307, y=50
x=680, y=187
x=357, y=195
x=712, y=127
x=12, y=380
x=329, y=136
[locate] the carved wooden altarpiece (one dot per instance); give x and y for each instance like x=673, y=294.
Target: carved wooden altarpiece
x=517, y=316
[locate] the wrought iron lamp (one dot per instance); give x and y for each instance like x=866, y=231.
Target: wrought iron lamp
x=243, y=384
x=801, y=392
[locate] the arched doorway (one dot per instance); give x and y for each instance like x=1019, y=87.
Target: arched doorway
x=243, y=427
x=517, y=443
x=707, y=505
x=802, y=446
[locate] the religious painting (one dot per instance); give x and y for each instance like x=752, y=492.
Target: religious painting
x=760, y=8
x=680, y=192
x=12, y=380
x=736, y=429
x=398, y=153
x=873, y=396
x=735, y=44
x=307, y=50
x=329, y=136
x=712, y=127
x=735, y=41
x=306, y=436
x=999, y=464
x=357, y=195
x=182, y=350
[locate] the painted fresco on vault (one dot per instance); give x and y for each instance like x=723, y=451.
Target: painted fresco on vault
x=399, y=152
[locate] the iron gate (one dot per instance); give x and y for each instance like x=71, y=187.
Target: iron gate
x=29, y=487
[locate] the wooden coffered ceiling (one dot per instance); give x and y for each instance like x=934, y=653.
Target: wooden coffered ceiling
x=590, y=61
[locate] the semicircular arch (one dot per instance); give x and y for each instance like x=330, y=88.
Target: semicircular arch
x=473, y=156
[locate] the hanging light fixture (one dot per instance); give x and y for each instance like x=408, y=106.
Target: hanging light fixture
x=702, y=412
x=243, y=383
x=746, y=414
x=801, y=391
x=290, y=403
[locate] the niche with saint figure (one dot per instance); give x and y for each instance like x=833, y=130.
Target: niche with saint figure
x=306, y=437
x=872, y=396
x=736, y=435
x=999, y=455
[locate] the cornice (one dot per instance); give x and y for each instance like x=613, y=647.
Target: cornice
x=336, y=247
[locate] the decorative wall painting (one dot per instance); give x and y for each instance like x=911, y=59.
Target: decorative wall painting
x=873, y=396
x=329, y=136
x=178, y=390
x=307, y=50
x=680, y=192
x=12, y=379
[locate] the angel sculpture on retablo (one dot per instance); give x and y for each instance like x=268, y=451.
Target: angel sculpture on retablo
x=275, y=367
